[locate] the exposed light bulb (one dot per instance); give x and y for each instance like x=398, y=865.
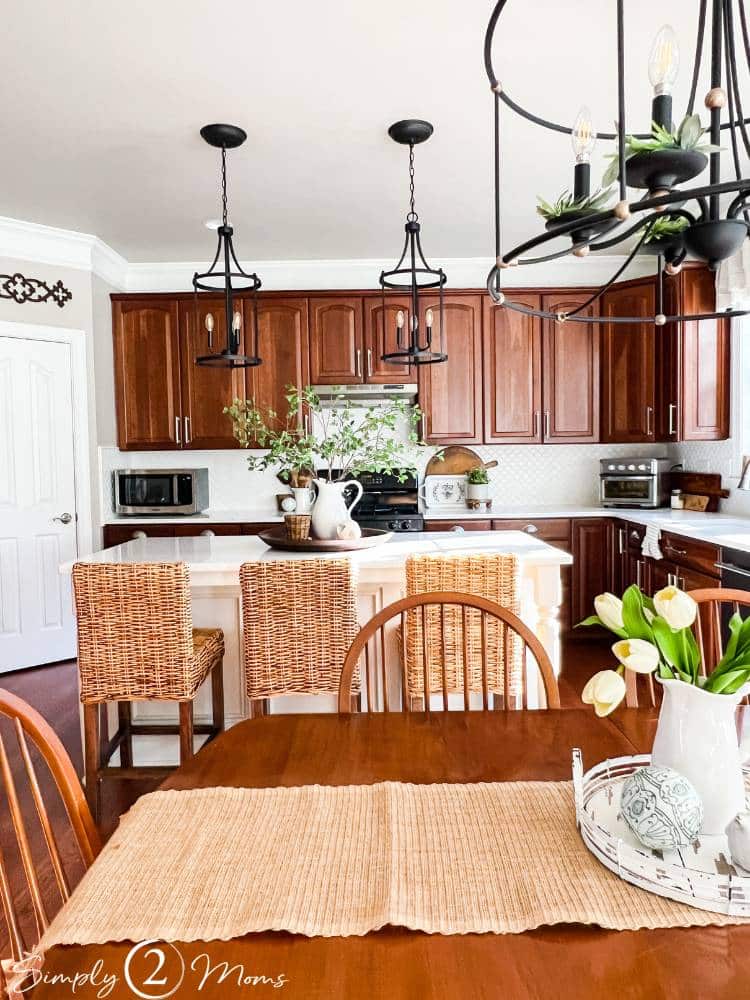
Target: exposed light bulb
x=209, y=321
x=428, y=318
x=236, y=322
x=583, y=136
x=664, y=61
x=400, y=319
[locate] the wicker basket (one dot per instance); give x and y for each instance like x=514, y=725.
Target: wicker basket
x=297, y=526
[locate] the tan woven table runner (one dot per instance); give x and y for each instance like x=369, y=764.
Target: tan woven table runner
x=218, y=863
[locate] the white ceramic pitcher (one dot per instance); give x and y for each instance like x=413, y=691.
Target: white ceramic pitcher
x=330, y=509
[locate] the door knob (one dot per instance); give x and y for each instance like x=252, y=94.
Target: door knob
x=65, y=518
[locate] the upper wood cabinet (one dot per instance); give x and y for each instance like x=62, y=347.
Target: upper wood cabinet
x=450, y=393
x=380, y=339
x=206, y=390
x=693, y=374
x=284, y=346
x=147, y=374
x=570, y=381
x=512, y=373
x=628, y=365
x=336, y=341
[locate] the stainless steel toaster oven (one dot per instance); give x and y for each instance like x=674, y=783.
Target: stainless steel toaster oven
x=634, y=482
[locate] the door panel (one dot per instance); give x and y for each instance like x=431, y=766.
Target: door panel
x=512, y=374
x=284, y=346
x=37, y=485
x=591, y=567
x=207, y=390
x=147, y=374
x=379, y=342
x=450, y=393
x=628, y=366
x=336, y=340
x=571, y=374
x=705, y=372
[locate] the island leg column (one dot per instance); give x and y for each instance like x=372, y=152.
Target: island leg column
x=541, y=597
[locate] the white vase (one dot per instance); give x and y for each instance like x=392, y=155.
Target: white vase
x=478, y=491
x=303, y=499
x=330, y=509
x=697, y=737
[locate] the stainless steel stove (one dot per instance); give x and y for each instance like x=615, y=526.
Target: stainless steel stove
x=387, y=503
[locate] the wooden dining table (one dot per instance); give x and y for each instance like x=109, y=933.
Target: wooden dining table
x=562, y=961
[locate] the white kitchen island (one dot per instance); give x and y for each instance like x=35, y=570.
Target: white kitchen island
x=214, y=564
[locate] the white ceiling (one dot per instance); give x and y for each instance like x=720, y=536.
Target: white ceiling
x=102, y=104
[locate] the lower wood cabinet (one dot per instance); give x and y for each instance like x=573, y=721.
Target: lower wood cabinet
x=117, y=534
x=592, y=563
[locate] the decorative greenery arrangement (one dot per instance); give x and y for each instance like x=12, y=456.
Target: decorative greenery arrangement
x=664, y=227
x=566, y=203
x=352, y=439
x=686, y=137
x=478, y=476
x=656, y=635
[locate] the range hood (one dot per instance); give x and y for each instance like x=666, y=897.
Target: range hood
x=366, y=395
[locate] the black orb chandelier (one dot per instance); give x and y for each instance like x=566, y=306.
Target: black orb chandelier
x=669, y=219
x=225, y=274
x=413, y=274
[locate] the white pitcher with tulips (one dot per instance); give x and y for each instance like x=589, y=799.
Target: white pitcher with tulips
x=696, y=734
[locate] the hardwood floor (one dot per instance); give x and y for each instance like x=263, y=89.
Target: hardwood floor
x=53, y=691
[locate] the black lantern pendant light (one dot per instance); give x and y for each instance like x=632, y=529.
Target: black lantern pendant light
x=225, y=274
x=413, y=273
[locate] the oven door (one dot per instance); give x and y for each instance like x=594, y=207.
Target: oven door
x=140, y=493
x=628, y=491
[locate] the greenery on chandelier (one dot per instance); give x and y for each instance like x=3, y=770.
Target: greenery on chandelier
x=686, y=137
x=663, y=228
x=566, y=203
x=350, y=439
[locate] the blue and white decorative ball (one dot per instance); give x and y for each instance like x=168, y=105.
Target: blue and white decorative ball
x=661, y=807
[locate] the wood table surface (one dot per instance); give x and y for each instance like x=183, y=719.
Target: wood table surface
x=563, y=961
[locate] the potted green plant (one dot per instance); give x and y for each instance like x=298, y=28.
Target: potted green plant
x=664, y=160
x=696, y=735
x=568, y=208
x=477, y=486
x=352, y=439
x=665, y=236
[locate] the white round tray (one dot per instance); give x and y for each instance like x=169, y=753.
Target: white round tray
x=701, y=875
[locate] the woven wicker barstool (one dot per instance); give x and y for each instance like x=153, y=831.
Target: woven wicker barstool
x=442, y=639
x=136, y=642
x=299, y=618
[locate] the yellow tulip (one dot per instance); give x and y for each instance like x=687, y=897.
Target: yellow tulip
x=677, y=608
x=637, y=655
x=605, y=690
x=609, y=610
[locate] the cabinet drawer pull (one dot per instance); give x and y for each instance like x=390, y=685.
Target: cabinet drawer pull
x=531, y=529
x=178, y=430
x=621, y=543
x=458, y=529
x=358, y=368
x=535, y=425
x=674, y=551
x=638, y=573
x=649, y=414
x=369, y=362
x=672, y=409
x=188, y=438
x=546, y=425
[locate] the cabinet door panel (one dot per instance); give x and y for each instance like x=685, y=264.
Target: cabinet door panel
x=336, y=340
x=207, y=390
x=147, y=374
x=705, y=373
x=284, y=346
x=512, y=373
x=628, y=365
x=380, y=340
x=450, y=393
x=591, y=566
x=571, y=374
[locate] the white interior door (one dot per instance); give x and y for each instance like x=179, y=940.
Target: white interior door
x=37, y=503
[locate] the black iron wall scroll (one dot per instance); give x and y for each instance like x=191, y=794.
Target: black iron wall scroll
x=22, y=289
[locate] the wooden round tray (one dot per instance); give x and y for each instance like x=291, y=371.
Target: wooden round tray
x=276, y=538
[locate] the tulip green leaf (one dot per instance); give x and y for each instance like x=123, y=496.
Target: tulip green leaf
x=633, y=618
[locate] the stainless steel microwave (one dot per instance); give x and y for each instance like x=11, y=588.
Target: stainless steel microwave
x=141, y=492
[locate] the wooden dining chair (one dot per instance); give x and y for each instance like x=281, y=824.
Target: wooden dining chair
x=461, y=638
x=709, y=631
x=299, y=617
x=41, y=862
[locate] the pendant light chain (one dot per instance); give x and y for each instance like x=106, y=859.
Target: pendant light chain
x=224, y=185
x=412, y=216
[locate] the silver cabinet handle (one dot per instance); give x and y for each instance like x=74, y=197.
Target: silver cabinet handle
x=672, y=412
x=65, y=518
x=458, y=529
x=674, y=551
x=638, y=573
x=178, y=430
x=369, y=362
x=546, y=424
x=621, y=541
x=358, y=368
x=649, y=413
x=188, y=438
x=531, y=529
x=535, y=425
x=730, y=568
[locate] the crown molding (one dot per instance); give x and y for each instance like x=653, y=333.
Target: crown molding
x=62, y=248
x=82, y=251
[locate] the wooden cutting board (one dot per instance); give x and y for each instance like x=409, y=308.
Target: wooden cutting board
x=706, y=484
x=455, y=460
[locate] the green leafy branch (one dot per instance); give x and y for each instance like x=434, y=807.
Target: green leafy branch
x=568, y=203
x=686, y=137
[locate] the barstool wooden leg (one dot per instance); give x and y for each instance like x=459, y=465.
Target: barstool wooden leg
x=125, y=718
x=217, y=695
x=92, y=758
x=186, y=731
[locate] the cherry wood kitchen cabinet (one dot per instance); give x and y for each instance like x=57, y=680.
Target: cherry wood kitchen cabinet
x=692, y=362
x=628, y=402
x=592, y=566
x=207, y=390
x=381, y=338
x=450, y=394
x=570, y=373
x=147, y=373
x=512, y=373
x=336, y=340
x=284, y=346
